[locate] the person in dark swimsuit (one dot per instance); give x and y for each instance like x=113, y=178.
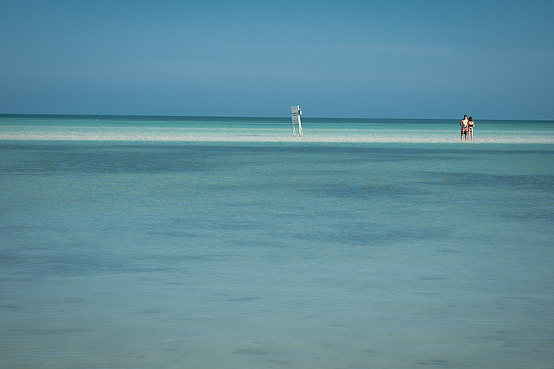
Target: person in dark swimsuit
x=470, y=125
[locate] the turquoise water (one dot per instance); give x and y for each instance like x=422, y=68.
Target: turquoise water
x=141, y=242
x=222, y=129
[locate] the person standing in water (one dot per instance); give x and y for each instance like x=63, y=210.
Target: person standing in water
x=470, y=125
x=464, y=124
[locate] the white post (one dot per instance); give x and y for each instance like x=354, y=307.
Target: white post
x=300, y=133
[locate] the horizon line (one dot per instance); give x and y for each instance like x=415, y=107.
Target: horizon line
x=237, y=117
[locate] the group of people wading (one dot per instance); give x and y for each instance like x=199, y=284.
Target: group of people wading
x=467, y=128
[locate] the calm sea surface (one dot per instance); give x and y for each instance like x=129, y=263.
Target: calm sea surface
x=156, y=242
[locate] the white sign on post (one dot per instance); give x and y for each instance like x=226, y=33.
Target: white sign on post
x=295, y=115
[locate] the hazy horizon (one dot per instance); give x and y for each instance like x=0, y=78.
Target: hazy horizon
x=351, y=59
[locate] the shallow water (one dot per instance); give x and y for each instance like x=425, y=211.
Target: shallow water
x=239, y=254
x=223, y=129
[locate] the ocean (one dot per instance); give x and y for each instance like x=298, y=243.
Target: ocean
x=214, y=242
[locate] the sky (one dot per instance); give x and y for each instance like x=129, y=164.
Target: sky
x=337, y=59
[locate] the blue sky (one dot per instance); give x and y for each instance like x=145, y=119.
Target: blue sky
x=373, y=59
